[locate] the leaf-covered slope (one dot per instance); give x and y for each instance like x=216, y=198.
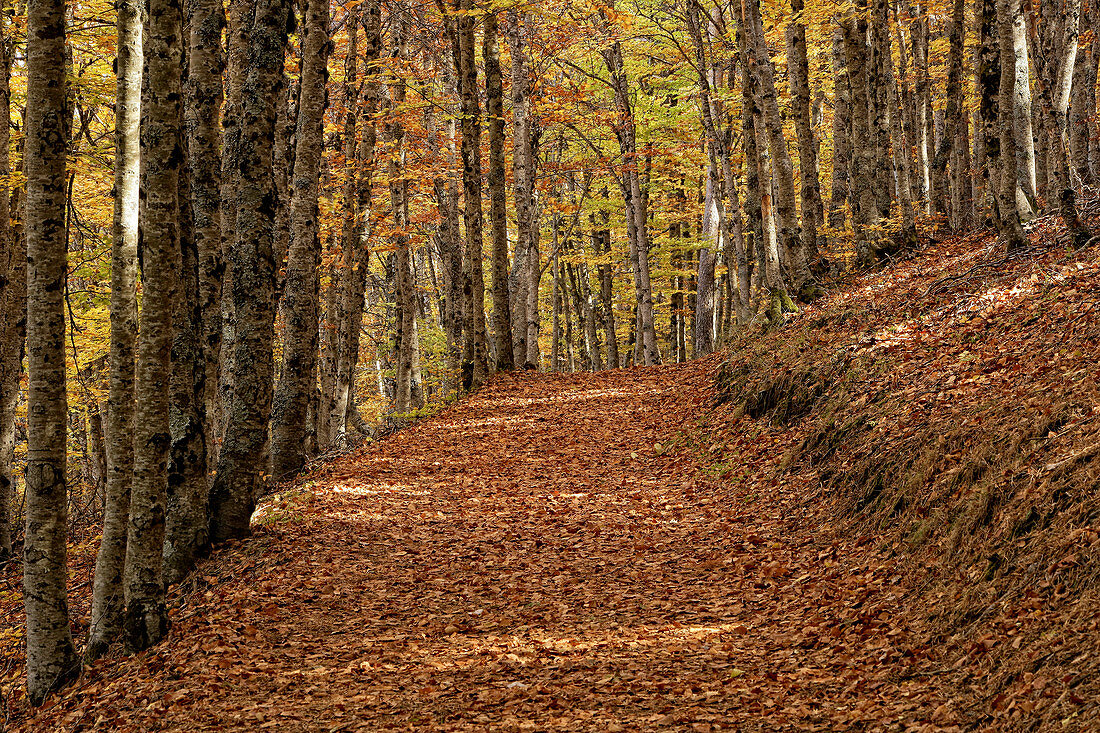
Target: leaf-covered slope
x=947, y=409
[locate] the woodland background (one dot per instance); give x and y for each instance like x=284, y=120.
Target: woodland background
x=303, y=223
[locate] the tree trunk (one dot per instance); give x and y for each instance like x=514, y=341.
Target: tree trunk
x=955, y=107
x=205, y=64
x=1025, y=138
x=107, y=592
x=13, y=299
x=1083, y=103
x=242, y=463
x=51, y=657
x=406, y=387
x=753, y=166
x=1054, y=93
x=790, y=239
x=146, y=619
x=997, y=100
x=301, y=309
x=866, y=216
x=186, y=522
x=475, y=365
x=919, y=35
x=842, y=125
x=601, y=244
x=524, y=172
x=704, y=295
x=798, y=70
x=636, y=213
x=450, y=245
x=498, y=201
x=237, y=40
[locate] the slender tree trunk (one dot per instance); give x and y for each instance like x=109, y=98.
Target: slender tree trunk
x=555, y=299
x=242, y=463
x=753, y=165
x=997, y=98
x=301, y=309
x=450, y=246
x=237, y=39
x=406, y=382
x=475, y=365
x=524, y=172
x=954, y=95
x=1094, y=64
x=355, y=255
x=186, y=522
x=919, y=33
x=1025, y=137
x=1083, y=102
x=866, y=216
x=1054, y=94
x=498, y=201
x=602, y=246
x=107, y=591
x=704, y=296
x=798, y=70
x=206, y=62
x=146, y=619
x=13, y=298
x=842, y=125
x=790, y=238
x=635, y=203
x=51, y=655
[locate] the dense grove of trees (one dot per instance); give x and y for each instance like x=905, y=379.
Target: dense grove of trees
x=227, y=232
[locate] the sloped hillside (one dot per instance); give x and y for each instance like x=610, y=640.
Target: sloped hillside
x=946, y=412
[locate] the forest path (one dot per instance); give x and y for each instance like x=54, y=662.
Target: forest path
x=526, y=560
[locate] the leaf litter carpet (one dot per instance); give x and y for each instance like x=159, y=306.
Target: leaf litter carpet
x=551, y=554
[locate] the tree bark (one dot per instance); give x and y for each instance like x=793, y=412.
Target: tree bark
x=205, y=65
x=1083, y=103
x=146, y=619
x=524, y=175
x=186, y=522
x=954, y=94
x=790, y=238
x=754, y=212
x=237, y=40
x=635, y=205
x=997, y=99
x=107, y=591
x=242, y=463
x=301, y=309
x=475, y=364
x=866, y=215
x=407, y=386
x=1022, y=127
x=919, y=35
x=498, y=201
x=842, y=125
x=798, y=71
x=450, y=244
x=1054, y=93
x=13, y=298
x=51, y=656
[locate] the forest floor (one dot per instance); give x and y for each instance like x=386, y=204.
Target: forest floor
x=882, y=517
x=532, y=558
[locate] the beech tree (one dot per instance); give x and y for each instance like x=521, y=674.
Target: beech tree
x=51, y=655
x=242, y=462
x=300, y=300
x=108, y=595
x=13, y=297
x=146, y=618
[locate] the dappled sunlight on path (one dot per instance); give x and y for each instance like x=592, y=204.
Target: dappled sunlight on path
x=529, y=559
